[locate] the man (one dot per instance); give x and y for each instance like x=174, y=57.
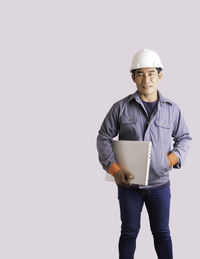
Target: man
x=145, y=115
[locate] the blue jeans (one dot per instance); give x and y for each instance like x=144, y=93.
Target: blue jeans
x=157, y=202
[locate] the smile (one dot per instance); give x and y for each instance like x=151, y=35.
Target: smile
x=147, y=86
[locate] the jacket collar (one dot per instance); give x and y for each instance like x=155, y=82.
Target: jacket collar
x=161, y=98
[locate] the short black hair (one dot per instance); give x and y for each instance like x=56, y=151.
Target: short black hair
x=159, y=69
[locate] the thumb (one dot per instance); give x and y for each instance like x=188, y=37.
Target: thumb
x=129, y=175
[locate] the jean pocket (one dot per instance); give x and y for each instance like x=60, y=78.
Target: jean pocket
x=166, y=161
x=165, y=168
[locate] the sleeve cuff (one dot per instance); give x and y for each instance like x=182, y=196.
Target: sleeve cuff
x=113, y=169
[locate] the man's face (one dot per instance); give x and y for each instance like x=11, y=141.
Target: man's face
x=146, y=80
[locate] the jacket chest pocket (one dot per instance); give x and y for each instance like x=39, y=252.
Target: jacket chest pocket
x=163, y=131
x=129, y=129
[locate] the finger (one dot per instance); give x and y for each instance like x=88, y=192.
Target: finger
x=129, y=175
x=122, y=178
x=127, y=179
x=124, y=182
x=118, y=179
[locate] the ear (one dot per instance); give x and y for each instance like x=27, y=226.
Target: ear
x=133, y=77
x=160, y=76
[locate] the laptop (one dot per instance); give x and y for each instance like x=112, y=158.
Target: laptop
x=133, y=156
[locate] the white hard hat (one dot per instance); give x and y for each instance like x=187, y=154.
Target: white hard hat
x=145, y=58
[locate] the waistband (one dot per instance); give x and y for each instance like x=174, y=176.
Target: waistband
x=139, y=187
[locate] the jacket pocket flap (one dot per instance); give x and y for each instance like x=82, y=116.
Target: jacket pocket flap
x=162, y=124
x=127, y=121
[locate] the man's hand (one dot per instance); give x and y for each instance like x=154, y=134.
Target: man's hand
x=172, y=158
x=123, y=177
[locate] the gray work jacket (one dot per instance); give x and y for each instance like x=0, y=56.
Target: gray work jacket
x=129, y=118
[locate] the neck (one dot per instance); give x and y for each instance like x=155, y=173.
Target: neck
x=149, y=98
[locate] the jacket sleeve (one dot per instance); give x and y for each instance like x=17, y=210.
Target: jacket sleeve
x=181, y=138
x=109, y=129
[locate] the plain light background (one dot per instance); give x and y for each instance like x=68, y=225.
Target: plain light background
x=62, y=65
